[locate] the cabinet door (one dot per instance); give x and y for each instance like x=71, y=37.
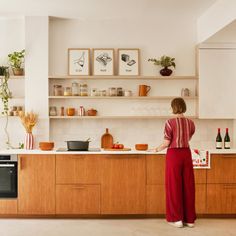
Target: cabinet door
x=78, y=199
x=223, y=169
x=156, y=170
x=221, y=198
x=73, y=169
x=156, y=202
x=36, y=188
x=8, y=206
x=217, y=83
x=123, y=184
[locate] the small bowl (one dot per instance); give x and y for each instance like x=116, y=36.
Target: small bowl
x=92, y=112
x=141, y=147
x=46, y=146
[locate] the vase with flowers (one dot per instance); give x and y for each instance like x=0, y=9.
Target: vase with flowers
x=28, y=120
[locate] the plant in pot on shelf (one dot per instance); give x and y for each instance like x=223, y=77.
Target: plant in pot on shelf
x=165, y=62
x=28, y=120
x=5, y=95
x=16, y=60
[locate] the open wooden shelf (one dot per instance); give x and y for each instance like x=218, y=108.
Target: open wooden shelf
x=15, y=77
x=115, y=77
x=115, y=117
x=122, y=97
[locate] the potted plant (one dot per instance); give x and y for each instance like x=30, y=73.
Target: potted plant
x=3, y=70
x=165, y=62
x=16, y=60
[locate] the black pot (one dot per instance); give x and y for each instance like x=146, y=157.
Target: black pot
x=77, y=145
x=166, y=71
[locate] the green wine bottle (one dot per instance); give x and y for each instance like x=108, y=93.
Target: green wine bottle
x=218, y=140
x=227, y=139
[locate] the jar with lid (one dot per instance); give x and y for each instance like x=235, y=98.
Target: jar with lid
x=57, y=90
x=53, y=111
x=119, y=91
x=112, y=91
x=83, y=90
x=75, y=89
x=67, y=91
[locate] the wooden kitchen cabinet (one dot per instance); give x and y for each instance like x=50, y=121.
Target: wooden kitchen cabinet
x=77, y=199
x=221, y=198
x=36, y=184
x=223, y=169
x=8, y=206
x=73, y=169
x=123, y=184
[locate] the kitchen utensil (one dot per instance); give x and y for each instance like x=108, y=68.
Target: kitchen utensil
x=141, y=146
x=118, y=150
x=92, y=112
x=144, y=90
x=106, y=140
x=46, y=146
x=70, y=111
x=78, y=145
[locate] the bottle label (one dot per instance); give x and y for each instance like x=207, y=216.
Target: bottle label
x=218, y=144
x=227, y=144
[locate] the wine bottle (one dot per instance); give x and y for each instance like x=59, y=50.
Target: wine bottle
x=218, y=140
x=227, y=139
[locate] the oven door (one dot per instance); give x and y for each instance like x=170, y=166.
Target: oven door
x=8, y=179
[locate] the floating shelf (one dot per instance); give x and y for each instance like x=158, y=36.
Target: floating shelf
x=14, y=77
x=115, y=77
x=122, y=97
x=115, y=117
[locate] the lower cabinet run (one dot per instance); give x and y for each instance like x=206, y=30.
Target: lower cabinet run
x=78, y=199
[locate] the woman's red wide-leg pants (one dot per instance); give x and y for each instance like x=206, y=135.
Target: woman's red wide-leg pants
x=180, y=187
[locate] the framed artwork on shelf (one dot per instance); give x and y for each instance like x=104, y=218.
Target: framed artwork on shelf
x=128, y=61
x=103, y=61
x=78, y=61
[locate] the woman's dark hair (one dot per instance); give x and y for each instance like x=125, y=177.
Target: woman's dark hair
x=178, y=106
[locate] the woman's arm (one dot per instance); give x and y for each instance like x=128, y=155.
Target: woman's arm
x=163, y=146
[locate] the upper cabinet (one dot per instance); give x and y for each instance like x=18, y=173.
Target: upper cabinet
x=217, y=81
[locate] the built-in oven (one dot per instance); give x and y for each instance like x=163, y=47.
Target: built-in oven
x=8, y=176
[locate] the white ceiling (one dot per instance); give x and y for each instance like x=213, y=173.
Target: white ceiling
x=103, y=9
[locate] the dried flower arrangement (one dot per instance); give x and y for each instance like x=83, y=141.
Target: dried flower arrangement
x=28, y=120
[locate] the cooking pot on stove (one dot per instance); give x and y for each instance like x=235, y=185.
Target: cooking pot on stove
x=78, y=145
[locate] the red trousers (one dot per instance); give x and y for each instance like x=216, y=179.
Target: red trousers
x=180, y=187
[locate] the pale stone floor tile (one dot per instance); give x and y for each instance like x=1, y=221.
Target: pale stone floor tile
x=101, y=227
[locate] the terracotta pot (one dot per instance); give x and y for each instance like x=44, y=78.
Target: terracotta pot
x=141, y=146
x=92, y=112
x=166, y=71
x=18, y=71
x=46, y=146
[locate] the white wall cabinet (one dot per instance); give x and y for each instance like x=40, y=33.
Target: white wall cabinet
x=217, y=82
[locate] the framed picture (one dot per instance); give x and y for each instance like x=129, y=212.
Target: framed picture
x=78, y=61
x=103, y=61
x=128, y=61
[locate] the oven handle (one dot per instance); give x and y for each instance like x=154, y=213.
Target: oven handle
x=7, y=165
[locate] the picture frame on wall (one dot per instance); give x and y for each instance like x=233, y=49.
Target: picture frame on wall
x=78, y=61
x=103, y=61
x=128, y=61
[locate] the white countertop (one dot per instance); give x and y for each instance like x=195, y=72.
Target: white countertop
x=37, y=151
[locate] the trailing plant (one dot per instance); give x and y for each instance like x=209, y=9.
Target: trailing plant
x=16, y=59
x=164, y=61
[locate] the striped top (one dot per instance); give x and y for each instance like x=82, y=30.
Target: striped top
x=179, y=131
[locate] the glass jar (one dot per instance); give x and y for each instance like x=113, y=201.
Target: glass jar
x=53, y=111
x=112, y=91
x=75, y=89
x=94, y=92
x=83, y=90
x=119, y=91
x=67, y=91
x=57, y=90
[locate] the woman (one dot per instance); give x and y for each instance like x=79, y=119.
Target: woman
x=180, y=187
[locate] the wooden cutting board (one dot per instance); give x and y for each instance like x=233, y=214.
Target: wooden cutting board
x=114, y=149
x=106, y=140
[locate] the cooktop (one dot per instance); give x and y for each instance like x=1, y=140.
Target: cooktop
x=90, y=150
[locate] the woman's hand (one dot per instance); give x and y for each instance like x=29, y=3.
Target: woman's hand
x=152, y=150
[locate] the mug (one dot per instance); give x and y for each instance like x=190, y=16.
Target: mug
x=144, y=90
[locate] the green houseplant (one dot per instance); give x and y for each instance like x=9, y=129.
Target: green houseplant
x=16, y=60
x=3, y=70
x=165, y=62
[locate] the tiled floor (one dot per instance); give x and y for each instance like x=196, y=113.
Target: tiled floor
x=147, y=227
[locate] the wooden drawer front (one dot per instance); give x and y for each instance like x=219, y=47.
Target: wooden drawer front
x=155, y=169
x=8, y=207
x=81, y=169
x=222, y=169
x=78, y=199
x=221, y=198
x=123, y=185
x=156, y=202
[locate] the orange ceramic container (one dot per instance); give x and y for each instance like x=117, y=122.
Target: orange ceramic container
x=46, y=146
x=141, y=146
x=70, y=111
